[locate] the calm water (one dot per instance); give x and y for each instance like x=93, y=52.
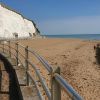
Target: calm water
x=79, y=36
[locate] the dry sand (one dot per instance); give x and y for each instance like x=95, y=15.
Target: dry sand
x=76, y=59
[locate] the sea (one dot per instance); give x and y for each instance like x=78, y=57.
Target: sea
x=77, y=36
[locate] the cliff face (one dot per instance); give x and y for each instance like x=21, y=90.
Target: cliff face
x=13, y=24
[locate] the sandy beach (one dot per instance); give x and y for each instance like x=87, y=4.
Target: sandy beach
x=77, y=61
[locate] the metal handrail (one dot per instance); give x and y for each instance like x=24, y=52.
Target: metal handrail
x=18, y=59
x=67, y=87
x=45, y=87
x=21, y=45
x=8, y=46
x=13, y=53
x=39, y=92
x=47, y=66
x=15, y=57
x=41, y=59
x=54, y=75
x=21, y=54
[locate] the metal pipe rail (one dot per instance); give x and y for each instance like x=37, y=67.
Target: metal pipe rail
x=39, y=92
x=41, y=59
x=67, y=87
x=16, y=57
x=45, y=87
x=19, y=60
x=56, y=80
x=46, y=65
x=20, y=45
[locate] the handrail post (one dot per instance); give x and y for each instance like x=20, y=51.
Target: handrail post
x=55, y=87
x=16, y=44
x=9, y=49
x=26, y=65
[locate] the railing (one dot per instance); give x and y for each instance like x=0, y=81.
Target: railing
x=57, y=82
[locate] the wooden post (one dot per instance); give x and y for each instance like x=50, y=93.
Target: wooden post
x=16, y=46
x=26, y=65
x=9, y=49
x=55, y=87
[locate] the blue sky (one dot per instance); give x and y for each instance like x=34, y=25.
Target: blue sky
x=61, y=16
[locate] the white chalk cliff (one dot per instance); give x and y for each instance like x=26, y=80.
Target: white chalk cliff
x=13, y=24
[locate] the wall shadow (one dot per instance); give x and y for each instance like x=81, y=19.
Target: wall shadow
x=13, y=84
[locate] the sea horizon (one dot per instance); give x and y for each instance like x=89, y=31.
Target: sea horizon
x=76, y=36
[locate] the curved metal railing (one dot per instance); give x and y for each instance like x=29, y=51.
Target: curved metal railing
x=57, y=82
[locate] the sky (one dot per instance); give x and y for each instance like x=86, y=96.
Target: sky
x=55, y=17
